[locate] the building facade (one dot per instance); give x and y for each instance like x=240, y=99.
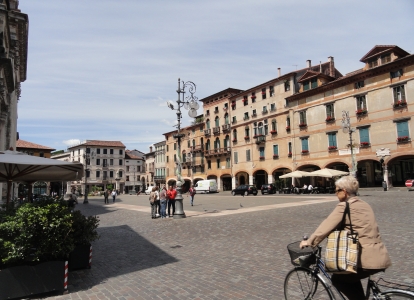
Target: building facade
x=149, y=179
x=134, y=171
x=104, y=163
x=160, y=163
x=295, y=122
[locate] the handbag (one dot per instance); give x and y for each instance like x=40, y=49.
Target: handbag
x=342, y=249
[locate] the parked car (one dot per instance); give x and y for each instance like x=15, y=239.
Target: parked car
x=244, y=189
x=268, y=189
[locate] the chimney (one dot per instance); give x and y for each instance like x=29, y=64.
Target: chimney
x=279, y=72
x=331, y=66
x=320, y=67
x=150, y=148
x=308, y=63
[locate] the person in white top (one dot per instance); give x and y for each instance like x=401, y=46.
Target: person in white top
x=310, y=188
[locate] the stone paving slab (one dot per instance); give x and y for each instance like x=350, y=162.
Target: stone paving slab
x=235, y=253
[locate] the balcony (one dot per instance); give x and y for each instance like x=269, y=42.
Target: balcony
x=260, y=139
x=159, y=178
x=399, y=104
x=264, y=111
x=197, y=148
x=207, y=132
x=216, y=130
x=225, y=127
x=217, y=152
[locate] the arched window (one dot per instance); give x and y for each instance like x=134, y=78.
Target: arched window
x=217, y=121
x=287, y=121
x=234, y=135
x=274, y=127
x=226, y=119
x=260, y=129
x=246, y=131
x=188, y=144
x=255, y=132
x=217, y=143
x=194, y=143
x=202, y=142
x=208, y=123
x=208, y=145
x=227, y=141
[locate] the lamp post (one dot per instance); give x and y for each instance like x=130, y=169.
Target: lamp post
x=346, y=128
x=189, y=103
x=87, y=157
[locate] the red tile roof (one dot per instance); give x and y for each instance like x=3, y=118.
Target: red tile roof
x=29, y=145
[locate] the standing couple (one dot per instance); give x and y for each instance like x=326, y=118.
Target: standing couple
x=161, y=201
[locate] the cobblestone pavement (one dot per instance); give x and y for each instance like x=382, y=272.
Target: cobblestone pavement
x=221, y=250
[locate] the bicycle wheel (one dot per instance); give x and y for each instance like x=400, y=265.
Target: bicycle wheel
x=300, y=284
x=397, y=295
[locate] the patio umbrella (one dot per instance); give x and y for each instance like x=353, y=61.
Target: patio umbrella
x=329, y=173
x=18, y=166
x=295, y=174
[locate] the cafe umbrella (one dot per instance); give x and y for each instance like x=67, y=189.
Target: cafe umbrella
x=329, y=173
x=20, y=167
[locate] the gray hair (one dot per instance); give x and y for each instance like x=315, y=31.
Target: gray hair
x=349, y=184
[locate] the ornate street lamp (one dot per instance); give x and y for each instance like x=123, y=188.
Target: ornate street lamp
x=87, y=158
x=346, y=128
x=189, y=103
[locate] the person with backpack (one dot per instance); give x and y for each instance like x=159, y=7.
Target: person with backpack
x=192, y=193
x=152, y=200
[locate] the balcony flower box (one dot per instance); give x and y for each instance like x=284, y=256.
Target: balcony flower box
x=273, y=132
x=290, y=154
x=263, y=93
x=329, y=119
x=332, y=148
x=261, y=157
x=403, y=139
x=302, y=125
x=233, y=104
x=246, y=137
x=275, y=156
x=361, y=112
x=287, y=128
x=253, y=97
x=364, y=144
x=305, y=151
x=234, y=140
x=400, y=103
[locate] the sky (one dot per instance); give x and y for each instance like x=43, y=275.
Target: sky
x=103, y=70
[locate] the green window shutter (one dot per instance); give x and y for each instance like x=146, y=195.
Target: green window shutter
x=236, y=158
x=364, y=135
x=402, y=129
x=261, y=151
x=275, y=149
x=305, y=144
x=332, y=139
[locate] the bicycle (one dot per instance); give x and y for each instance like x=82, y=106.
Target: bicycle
x=309, y=280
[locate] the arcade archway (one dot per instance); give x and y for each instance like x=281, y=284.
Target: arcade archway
x=259, y=178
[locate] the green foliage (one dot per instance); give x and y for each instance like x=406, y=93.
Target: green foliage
x=42, y=231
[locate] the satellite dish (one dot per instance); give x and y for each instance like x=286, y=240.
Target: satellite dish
x=192, y=113
x=170, y=105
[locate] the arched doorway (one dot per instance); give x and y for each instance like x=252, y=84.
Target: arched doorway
x=226, y=182
x=369, y=173
x=400, y=169
x=259, y=178
x=39, y=188
x=282, y=182
x=241, y=178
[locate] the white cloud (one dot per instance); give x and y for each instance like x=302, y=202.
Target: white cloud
x=71, y=142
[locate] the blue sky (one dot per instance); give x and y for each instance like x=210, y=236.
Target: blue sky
x=103, y=70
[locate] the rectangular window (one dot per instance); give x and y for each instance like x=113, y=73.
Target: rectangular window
x=272, y=107
x=98, y=161
x=111, y=151
x=120, y=162
x=88, y=150
x=234, y=119
x=305, y=145
x=121, y=151
x=120, y=174
x=263, y=93
x=111, y=174
x=364, y=135
x=105, y=151
x=253, y=97
x=332, y=139
x=306, y=85
x=302, y=118
x=330, y=112
x=361, y=103
x=373, y=63
x=218, y=163
x=167, y=158
x=359, y=84
x=98, y=151
x=105, y=175
x=98, y=174
x=314, y=83
x=248, y=155
x=254, y=112
x=396, y=74
x=175, y=157
x=236, y=157
x=245, y=101
x=402, y=130
x=209, y=164
x=111, y=162
x=275, y=149
x=290, y=147
x=105, y=162
x=262, y=151
x=175, y=146
x=287, y=86
x=88, y=173
x=385, y=59
x=399, y=94
x=271, y=91
x=264, y=109
x=246, y=116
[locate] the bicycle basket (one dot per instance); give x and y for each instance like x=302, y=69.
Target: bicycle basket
x=391, y=285
x=301, y=257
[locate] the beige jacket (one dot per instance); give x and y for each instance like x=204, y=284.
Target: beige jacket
x=373, y=254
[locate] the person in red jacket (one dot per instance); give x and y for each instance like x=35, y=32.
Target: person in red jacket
x=171, y=194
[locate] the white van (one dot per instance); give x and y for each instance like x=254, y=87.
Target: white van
x=206, y=186
x=148, y=190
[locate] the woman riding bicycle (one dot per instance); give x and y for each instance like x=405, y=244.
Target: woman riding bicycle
x=373, y=254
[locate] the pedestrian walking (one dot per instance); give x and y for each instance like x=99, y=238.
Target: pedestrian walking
x=163, y=202
x=171, y=193
x=192, y=193
x=152, y=199
x=384, y=185
x=106, y=196
x=113, y=196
